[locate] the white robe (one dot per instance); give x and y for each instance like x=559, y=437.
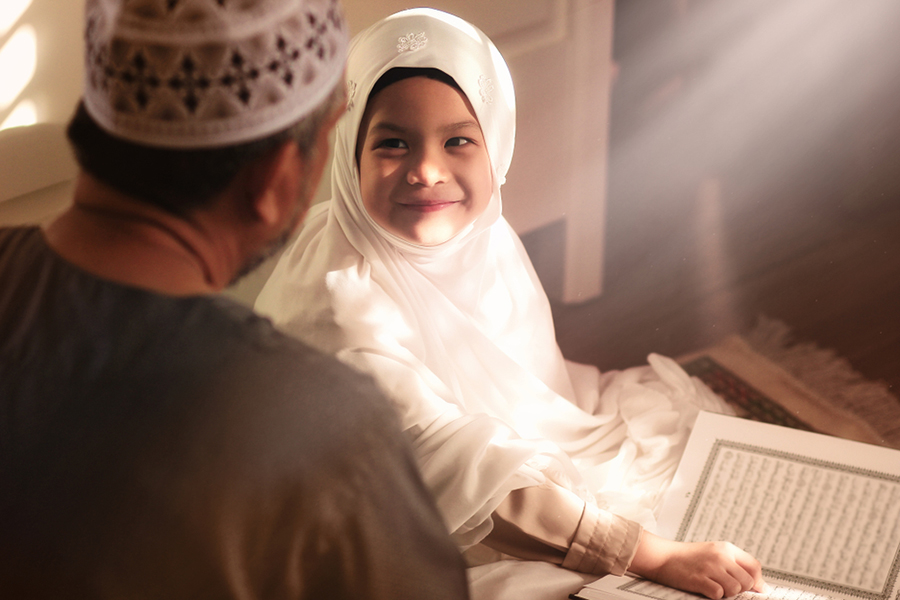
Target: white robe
x=460, y=335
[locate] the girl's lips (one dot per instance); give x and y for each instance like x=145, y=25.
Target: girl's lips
x=428, y=206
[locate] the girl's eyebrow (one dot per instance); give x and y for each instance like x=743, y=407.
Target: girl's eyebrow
x=450, y=127
x=463, y=125
x=387, y=126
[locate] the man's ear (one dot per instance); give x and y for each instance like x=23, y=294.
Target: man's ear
x=274, y=183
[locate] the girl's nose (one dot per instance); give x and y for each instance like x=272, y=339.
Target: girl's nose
x=427, y=169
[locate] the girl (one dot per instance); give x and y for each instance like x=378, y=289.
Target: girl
x=411, y=274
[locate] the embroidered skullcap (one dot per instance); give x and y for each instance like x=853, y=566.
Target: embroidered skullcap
x=206, y=73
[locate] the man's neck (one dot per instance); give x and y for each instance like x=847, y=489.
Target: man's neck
x=121, y=239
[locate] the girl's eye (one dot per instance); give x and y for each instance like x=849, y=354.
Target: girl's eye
x=391, y=143
x=458, y=141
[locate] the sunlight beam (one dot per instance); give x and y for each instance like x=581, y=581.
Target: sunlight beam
x=18, y=61
x=10, y=12
x=24, y=114
x=757, y=90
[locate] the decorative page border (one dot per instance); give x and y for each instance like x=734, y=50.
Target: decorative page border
x=720, y=445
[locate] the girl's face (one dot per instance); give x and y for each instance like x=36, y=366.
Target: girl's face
x=424, y=170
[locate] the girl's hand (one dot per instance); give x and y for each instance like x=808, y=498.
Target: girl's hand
x=714, y=569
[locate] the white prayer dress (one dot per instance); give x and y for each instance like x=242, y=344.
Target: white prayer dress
x=460, y=336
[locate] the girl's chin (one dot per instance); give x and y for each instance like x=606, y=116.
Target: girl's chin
x=427, y=228
x=428, y=236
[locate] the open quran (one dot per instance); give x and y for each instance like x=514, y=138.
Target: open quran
x=821, y=514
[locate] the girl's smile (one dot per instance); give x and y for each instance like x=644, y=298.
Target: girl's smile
x=427, y=206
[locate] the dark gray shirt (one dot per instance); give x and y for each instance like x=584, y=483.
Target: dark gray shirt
x=159, y=447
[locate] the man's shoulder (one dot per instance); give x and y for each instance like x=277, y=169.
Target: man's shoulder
x=259, y=345
x=16, y=241
x=270, y=365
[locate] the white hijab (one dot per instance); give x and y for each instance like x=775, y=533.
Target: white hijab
x=460, y=334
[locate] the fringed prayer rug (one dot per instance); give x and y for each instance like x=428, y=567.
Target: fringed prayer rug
x=768, y=377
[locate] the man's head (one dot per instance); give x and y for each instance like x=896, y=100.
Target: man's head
x=181, y=95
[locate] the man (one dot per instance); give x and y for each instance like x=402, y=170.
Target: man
x=157, y=440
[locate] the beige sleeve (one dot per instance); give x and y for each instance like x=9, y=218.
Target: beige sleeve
x=552, y=524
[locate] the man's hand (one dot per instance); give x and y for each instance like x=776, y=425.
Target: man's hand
x=714, y=569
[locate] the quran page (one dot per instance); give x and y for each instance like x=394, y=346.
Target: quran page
x=822, y=514
x=631, y=588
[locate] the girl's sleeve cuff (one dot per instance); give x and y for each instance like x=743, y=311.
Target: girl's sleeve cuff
x=604, y=543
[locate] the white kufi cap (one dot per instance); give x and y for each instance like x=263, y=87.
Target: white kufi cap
x=206, y=73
